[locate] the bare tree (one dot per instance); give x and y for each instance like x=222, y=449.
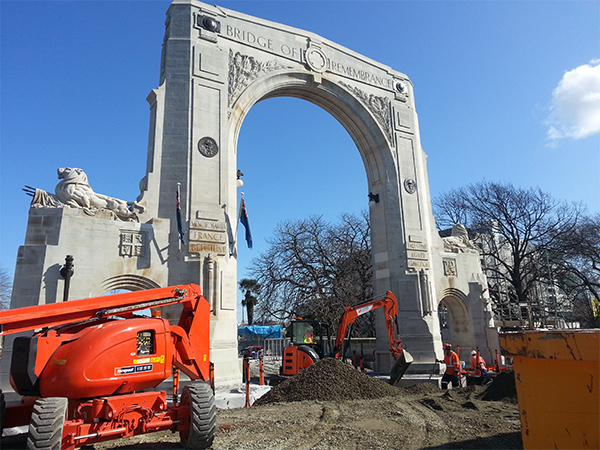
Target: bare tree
x=450, y=209
x=579, y=273
x=314, y=269
x=5, y=289
x=520, y=233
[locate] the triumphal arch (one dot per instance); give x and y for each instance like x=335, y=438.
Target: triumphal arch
x=216, y=64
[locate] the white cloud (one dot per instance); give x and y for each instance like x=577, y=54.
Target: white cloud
x=575, y=108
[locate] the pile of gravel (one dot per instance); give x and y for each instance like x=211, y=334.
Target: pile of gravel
x=328, y=380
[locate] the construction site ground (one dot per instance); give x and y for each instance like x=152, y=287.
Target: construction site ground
x=331, y=405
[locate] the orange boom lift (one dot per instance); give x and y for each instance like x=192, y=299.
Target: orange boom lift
x=87, y=375
x=311, y=340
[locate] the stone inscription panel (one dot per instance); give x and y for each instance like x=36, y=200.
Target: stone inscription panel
x=365, y=76
x=295, y=48
x=229, y=284
x=254, y=37
x=208, y=236
x=416, y=246
x=417, y=254
x=201, y=247
x=416, y=264
x=210, y=225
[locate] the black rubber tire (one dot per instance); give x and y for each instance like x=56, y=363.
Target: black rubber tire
x=203, y=415
x=2, y=412
x=47, y=423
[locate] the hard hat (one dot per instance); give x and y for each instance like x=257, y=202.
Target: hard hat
x=447, y=346
x=473, y=352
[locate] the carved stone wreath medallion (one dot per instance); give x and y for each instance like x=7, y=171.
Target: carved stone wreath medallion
x=208, y=147
x=410, y=185
x=316, y=59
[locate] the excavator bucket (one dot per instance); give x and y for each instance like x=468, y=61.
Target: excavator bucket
x=400, y=367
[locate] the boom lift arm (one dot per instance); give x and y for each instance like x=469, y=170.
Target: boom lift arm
x=123, y=305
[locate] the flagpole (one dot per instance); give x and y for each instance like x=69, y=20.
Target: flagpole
x=237, y=222
x=179, y=211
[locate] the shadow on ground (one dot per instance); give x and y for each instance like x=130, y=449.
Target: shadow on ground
x=504, y=441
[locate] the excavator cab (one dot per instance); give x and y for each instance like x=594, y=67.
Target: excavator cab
x=310, y=342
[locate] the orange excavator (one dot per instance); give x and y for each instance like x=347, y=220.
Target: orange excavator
x=89, y=372
x=311, y=340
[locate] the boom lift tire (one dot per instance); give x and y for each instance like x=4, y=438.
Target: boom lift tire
x=47, y=422
x=203, y=415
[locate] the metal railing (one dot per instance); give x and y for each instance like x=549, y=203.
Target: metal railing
x=274, y=348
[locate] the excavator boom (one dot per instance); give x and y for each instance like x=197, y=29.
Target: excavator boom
x=389, y=303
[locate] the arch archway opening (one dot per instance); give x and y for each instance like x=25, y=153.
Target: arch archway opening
x=455, y=323
x=298, y=161
x=126, y=283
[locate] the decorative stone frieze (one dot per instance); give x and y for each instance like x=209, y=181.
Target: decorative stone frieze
x=380, y=107
x=244, y=69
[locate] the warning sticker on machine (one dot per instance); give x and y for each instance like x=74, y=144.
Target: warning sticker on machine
x=154, y=359
x=129, y=370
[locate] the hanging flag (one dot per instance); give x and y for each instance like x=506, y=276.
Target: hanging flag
x=179, y=226
x=243, y=218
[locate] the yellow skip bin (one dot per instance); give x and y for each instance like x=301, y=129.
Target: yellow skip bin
x=558, y=385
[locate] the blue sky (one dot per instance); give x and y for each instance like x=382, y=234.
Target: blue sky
x=505, y=91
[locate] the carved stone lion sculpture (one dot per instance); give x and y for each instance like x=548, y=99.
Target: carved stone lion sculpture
x=74, y=190
x=459, y=241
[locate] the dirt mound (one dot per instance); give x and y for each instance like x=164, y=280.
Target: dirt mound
x=328, y=380
x=503, y=388
x=420, y=389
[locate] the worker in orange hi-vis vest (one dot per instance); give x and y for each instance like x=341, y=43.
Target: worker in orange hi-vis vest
x=478, y=364
x=453, y=367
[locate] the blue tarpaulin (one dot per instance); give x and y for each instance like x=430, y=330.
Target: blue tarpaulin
x=273, y=331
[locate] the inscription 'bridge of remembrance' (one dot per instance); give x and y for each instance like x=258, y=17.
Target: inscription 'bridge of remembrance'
x=215, y=65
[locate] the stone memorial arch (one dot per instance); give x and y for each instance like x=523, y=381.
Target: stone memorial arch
x=216, y=64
